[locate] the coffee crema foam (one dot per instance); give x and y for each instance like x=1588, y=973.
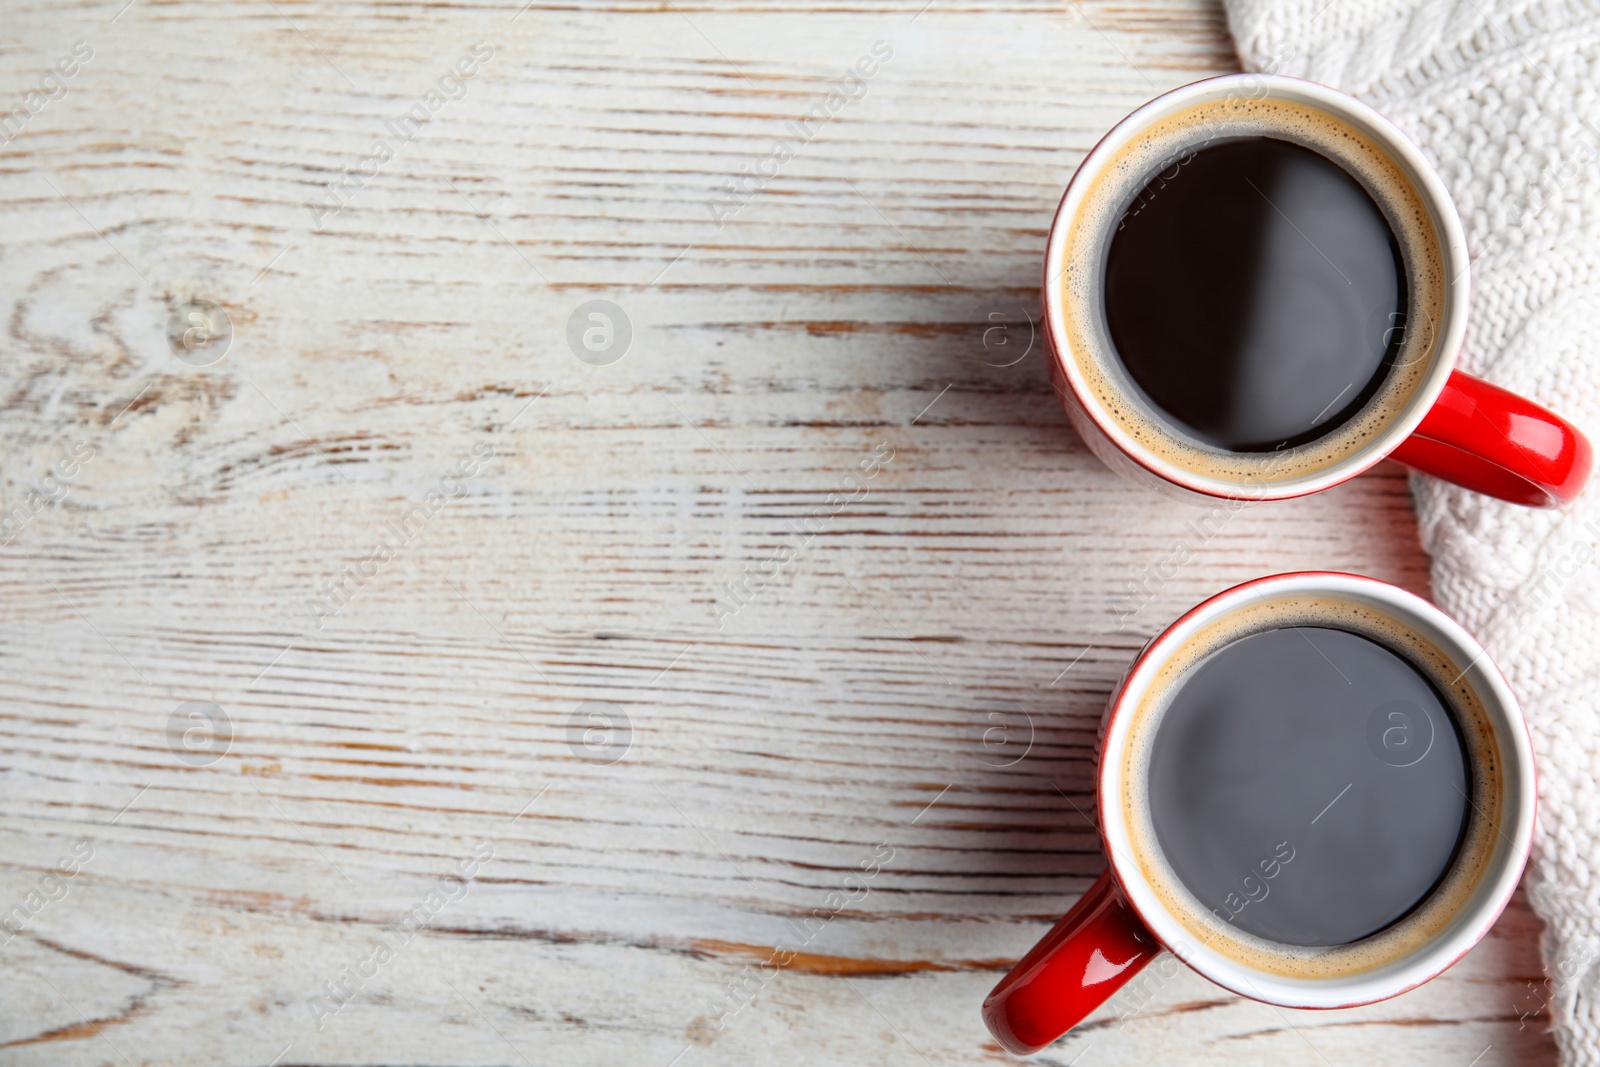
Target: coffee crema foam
x=1475, y=853
x=1154, y=150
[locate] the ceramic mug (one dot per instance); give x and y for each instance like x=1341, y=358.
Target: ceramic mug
x=1138, y=907
x=1426, y=414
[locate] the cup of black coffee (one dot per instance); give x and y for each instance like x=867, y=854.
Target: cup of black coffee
x=1315, y=789
x=1256, y=288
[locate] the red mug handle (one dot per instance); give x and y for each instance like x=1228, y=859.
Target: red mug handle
x=1087, y=956
x=1491, y=440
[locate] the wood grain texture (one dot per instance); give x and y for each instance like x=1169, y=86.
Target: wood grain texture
x=869, y=295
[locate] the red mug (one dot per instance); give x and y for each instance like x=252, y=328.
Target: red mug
x=1426, y=414
x=1138, y=907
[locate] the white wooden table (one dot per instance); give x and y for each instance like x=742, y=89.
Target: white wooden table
x=258, y=891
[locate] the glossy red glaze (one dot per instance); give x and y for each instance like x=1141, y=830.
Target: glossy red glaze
x=1105, y=940
x=1493, y=441
x=1474, y=434
x=1087, y=956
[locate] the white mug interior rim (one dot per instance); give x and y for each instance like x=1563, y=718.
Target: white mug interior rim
x=1488, y=898
x=1447, y=226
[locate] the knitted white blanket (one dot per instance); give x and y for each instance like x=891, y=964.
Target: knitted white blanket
x=1504, y=98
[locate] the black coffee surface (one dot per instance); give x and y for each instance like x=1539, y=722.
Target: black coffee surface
x=1255, y=293
x=1308, y=785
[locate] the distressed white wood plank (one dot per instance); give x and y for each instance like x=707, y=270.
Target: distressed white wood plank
x=866, y=300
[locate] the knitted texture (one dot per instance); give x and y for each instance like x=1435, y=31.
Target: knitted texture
x=1504, y=98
